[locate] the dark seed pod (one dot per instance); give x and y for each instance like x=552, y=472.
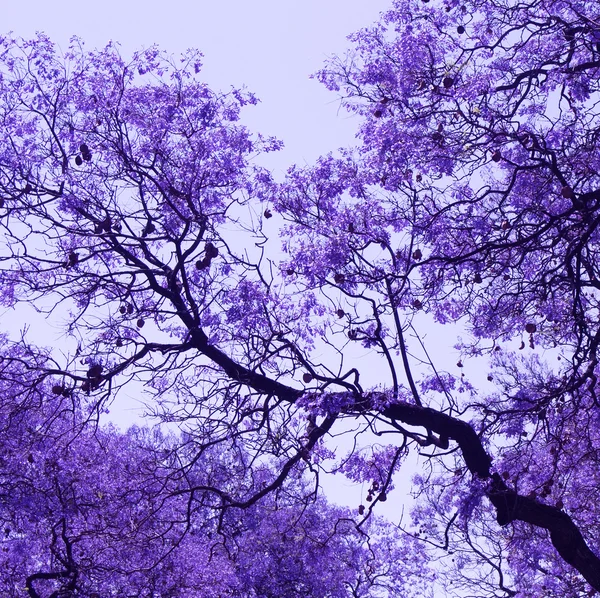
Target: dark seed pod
x=95, y=371
x=203, y=263
x=149, y=229
x=268, y=213
x=140, y=323
x=567, y=192
x=73, y=259
x=448, y=82
x=78, y=160
x=84, y=149
x=530, y=328
x=307, y=378
x=211, y=250
x=460, y=29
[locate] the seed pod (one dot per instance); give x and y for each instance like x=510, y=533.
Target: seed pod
x=268, y=213
x=149, y=228
x=95, y=371
x=140, y=323
x=211, y=250
x=361, y=509
x=448, y=82
x=339, y=278
x=383, y=497
x=567, y=192
x=530, y=328
x=497, y=156
x=460, y=29
x=307, y=378
x=73, y=259
x=340, y=313
x=417, y=254
x=78, y=160
x=57, y=389
x=203, y=263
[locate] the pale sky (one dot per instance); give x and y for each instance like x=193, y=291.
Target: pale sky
x=271, y=46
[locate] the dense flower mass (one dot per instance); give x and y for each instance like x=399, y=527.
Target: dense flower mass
x=264, y=320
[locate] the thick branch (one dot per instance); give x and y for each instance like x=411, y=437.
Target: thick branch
x=510, y=506
x=239, y=373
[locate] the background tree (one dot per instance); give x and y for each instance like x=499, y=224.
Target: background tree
x=94, y=512
x=129, y=199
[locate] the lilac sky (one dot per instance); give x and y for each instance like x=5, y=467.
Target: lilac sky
x=271, y=46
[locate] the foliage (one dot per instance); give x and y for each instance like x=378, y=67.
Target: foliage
x=133, y=208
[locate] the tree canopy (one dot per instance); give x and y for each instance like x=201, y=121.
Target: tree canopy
x=264, y=319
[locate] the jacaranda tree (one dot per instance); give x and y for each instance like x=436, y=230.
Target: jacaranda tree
x=264, y=318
